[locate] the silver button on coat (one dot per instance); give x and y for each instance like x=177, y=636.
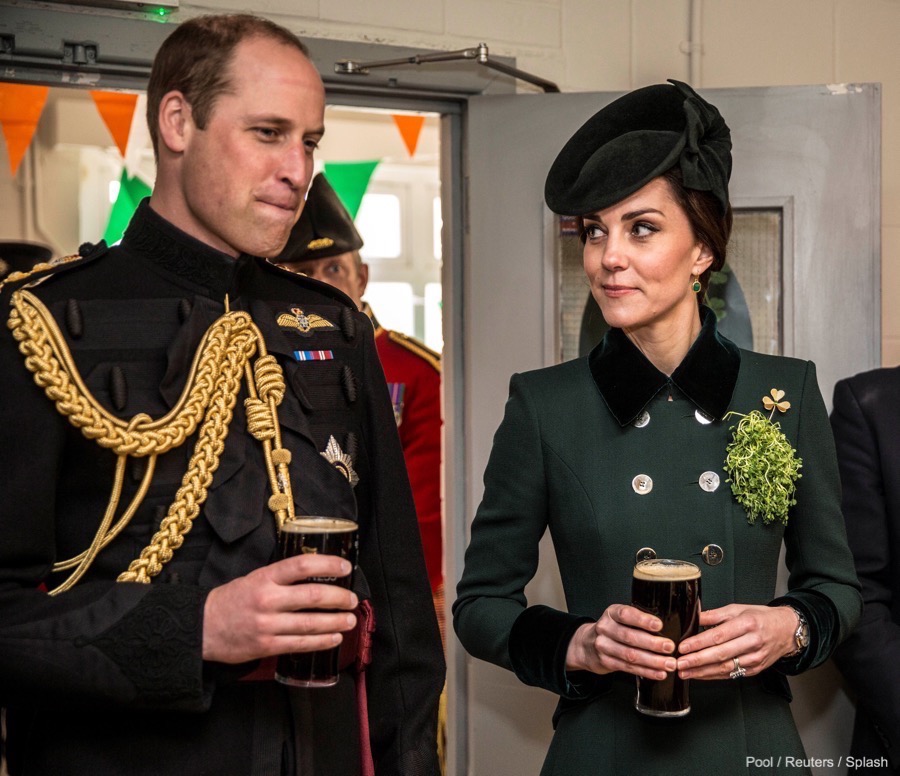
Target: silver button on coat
x=642, y=484
x=713, y=554
x=709, y=481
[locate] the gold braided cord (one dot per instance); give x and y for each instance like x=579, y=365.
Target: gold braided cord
x=210, y=393
x=262, y=423
x=96, y=544
x=201, y=468
x=48, y=357
x=124, y=520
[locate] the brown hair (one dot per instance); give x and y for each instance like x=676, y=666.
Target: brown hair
x=195, y=60
x=711, y=226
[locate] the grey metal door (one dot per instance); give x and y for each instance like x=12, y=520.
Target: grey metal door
x=807, y=184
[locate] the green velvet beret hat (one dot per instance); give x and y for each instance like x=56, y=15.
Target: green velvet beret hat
x=636, y=138
x=324, y=229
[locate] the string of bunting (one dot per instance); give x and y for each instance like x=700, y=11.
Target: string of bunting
x=21, y=106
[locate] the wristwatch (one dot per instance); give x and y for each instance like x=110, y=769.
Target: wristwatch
x=801, y=635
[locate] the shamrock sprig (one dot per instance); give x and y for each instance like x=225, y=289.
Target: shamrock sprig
x=762, y=466
x=774, y=402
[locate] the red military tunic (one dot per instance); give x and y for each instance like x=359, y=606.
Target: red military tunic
x=413, y=373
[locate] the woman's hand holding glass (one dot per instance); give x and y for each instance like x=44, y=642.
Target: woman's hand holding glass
x=623, y=639
x=757, y=636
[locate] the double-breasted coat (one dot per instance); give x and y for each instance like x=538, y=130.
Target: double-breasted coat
x=616, y=460
x=108, y=677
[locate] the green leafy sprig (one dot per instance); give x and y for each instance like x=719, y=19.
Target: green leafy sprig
x=762, y=466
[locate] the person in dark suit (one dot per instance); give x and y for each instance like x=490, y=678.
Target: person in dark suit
x=158, y=424
x=865, y=419
x=662, y=442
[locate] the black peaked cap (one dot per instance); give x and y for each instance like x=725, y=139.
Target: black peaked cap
x=324, y=229
x=21, y=256
x=636, y=138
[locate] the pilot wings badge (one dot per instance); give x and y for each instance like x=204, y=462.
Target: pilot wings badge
x=340, y=460
x=304, y=323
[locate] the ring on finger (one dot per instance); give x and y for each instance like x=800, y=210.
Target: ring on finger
x=738, y=672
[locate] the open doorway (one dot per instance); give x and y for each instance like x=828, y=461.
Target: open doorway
x=399, y=217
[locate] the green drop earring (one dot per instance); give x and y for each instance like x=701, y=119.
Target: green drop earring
x=695, y=286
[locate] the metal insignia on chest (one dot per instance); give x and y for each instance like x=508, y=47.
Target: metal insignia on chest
x=304, y=323
x=340, y=460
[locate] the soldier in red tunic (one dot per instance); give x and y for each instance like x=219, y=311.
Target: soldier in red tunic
x=325, y=245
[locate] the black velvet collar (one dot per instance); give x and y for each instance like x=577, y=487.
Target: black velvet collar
x=163, y=244
x=628, y=381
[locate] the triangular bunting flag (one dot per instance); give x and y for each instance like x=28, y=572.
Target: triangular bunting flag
x=117, y=111
x=350, y=180
x=131, y=192
x=410, y=128
x=20, y=109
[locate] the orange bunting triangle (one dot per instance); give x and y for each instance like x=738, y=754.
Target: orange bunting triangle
x=20, y=109
x=117, y=110
x=410, y=128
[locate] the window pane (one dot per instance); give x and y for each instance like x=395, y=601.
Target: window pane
x=755, y=258
x=378, y=221
x=392, y=304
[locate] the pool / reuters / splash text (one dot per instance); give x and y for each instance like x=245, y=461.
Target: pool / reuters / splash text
x=844, y=761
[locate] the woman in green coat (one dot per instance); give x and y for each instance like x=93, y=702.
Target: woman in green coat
x=666, y=441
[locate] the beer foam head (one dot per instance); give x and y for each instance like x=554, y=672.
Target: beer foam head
x=665, y=570
x=319, y=525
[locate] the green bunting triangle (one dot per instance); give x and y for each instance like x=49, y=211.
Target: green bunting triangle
x=131, y=192
x=350, y=180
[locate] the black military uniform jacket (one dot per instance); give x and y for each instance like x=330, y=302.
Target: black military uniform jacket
x=108, y=678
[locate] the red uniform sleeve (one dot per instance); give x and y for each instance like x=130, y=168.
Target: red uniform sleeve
x=420, y=435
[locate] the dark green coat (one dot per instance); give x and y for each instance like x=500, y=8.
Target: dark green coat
x=570, y=446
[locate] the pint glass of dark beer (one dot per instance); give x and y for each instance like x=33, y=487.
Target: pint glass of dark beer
x=670, y=590
x=317, y=536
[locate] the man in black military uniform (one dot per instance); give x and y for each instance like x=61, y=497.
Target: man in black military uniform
x=141, y=602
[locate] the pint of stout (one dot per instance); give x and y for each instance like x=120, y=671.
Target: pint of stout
x=320, y=536
x=670, y=590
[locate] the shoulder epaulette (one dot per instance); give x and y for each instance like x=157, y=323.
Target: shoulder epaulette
x=414, y=346
x=86, y=252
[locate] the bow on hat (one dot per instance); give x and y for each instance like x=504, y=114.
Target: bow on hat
x=636, y=138
x=705, y=161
